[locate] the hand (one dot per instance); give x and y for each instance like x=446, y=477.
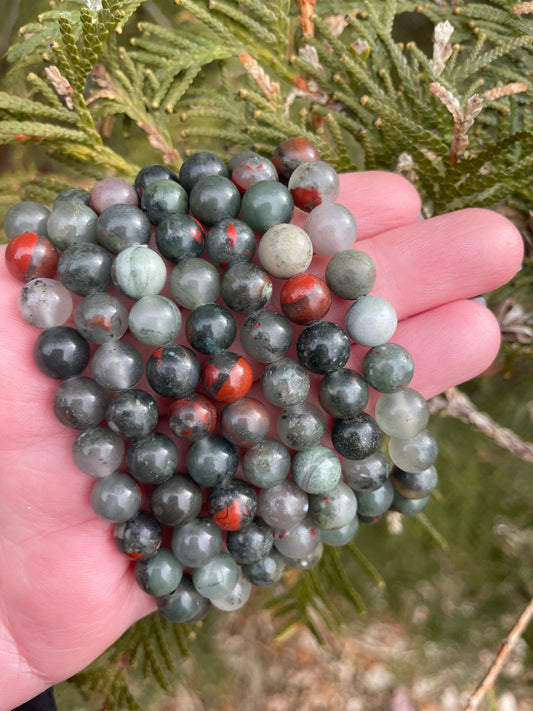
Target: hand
x=66, y=593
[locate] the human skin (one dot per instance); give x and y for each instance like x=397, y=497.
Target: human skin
x=66, y=593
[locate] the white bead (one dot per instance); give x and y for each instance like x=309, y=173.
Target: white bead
x=331, y=227
x=371, y=321
x=402, y=414
x=285, y=250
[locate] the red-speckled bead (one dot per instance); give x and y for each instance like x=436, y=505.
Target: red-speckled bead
x=192, y=417
x=227, y=377
x=232, y=506
x=29, y=256
x=305, y=298
x=290, y=154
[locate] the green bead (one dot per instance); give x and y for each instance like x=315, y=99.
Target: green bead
x=160, y=574
x=217, y=577
x=388, y=367
x=316, y=470
x=333, y=509
x=194, y=282
x=338, y=537
x=155, y=320
x=139, y=271
x=214, y=198
x=72, y=223
x=164, y=198
x=350, y=274
x=266, y=204
x=402, y=414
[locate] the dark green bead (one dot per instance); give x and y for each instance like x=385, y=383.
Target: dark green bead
x=85, y=268
x=163, y=198
x=210, y=329
x=61, y=352
x=343, y=393
x=139, y=536
x=160, y=574
x=350, y=274
x=316, y=470
x=176, y=501
x=252, y=543
x=366, y=474
x=26, y=216
x=230, y=241
x=120, y=226
x=149, y=174
x=285, y=382
x=356, y=437
x=184, y=604
x=301, y=426
x=266, y=336
x=71, y=223
x=412, y=485
x=408, y=507
x=388, y=367
x=115, y=497
x=132, y=413
x=265, y=572
x=213, y=199
x=266, y=204
x=372, y=504
x=246, y=288
x=212, y=461
x=338, y=537
x=335, y=508
x=80, y=403
x=173, y=371
x=200, y=165
x=196, y=542
x=180, y=237
x=323, y=347
x=78, y=195
x=152, y=459
x=267, y=463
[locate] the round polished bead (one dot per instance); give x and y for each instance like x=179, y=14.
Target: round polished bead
x=98, y=451
x=71, y=223
x=154, y=320
x=366, y=474
x=115, y=497
x=194, y=282
x=80, y=403
x=301, y=426
x=372, y=504
x=331, y=228
x=212, y=461
x=101, y=317
x=196, y=542
x=199, y=165
x=44, y=303
x=251, y=543
x=192, y=417
x=266, y=464
x=266, y=336
x=122, y=226
x=298, y=541
x=316, y=470
x=371, y=320
x=252, y=169
x=210, y=329
x=232, y=506
x=402, y=414
x=323, y=347
x=164, y=198
x=112, y=191
x=139, y=271
x=246, y=288
x=176, y=501
x=415, y=453
x=139, y=536
x=312, y=184
x=265, y=572
x=343, y=393
x=85, y=268
x=282, y=505
x=173, y=371
x=61, y=352
x=230, y=241
x=117, y=365
x=132, y=413
x=356, y=437
x=305, y=298
x=29, y=256
x=245, y=422
x=149, y=174
x=227, y=377
x=214, y=198
x=414, y=485
x=334, y=508
x=285, y=250
x=26, y=216
x=217, y=577
x=308, y=561
x=160, y=574
x=266, y=204
x=236, y=598
x=388, y=367
x=180, y=237
x=184, y=604
x=290, y=154
x=408, y=507
x=237, y=158
x=285, y=382
x=350, y=274
x=338, y=537
x=79, y=195
x=152, y=459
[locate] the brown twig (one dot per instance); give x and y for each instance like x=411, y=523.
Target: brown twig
x=455, y=403
x=507, y=645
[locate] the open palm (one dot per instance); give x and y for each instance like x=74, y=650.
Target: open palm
x=66, y=593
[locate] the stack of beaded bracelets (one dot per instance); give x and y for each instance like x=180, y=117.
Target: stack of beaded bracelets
x=241, y=505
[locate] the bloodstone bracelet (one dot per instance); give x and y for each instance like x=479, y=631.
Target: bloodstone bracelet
x=233, y=496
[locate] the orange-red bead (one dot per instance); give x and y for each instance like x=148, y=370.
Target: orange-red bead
x=305, y=298
x=29, y=256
